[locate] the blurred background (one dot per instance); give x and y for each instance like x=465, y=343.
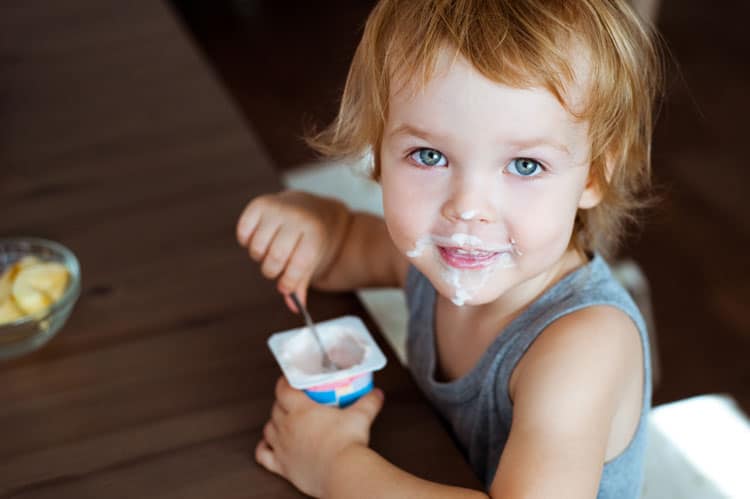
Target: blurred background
x=284, y=64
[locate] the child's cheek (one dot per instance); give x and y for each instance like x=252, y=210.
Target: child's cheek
x=401, y=226
x=406, y=211
x=546, y=225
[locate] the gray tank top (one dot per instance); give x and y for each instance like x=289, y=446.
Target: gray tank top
x=477, y=406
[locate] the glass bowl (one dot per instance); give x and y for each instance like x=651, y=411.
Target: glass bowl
x=32, y=331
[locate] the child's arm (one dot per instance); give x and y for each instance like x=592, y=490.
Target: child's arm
x=361, y=472
x=304, y=239
x=567, y=390
x=324, y=451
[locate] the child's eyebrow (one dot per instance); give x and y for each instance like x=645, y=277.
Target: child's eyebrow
x=406, y=129
x=522, y=144
x=540, y=142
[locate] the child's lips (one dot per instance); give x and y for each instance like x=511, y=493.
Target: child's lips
x=467, y=258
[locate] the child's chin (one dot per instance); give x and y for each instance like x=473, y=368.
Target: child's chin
x=471, y=289
x=468, y=298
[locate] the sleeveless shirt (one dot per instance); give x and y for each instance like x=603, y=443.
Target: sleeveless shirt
x=477, y=406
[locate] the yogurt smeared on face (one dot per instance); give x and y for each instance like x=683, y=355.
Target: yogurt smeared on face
x=461, y=295
x=468, y=262
x=419, y=247
x=466, y=239
x=465, y=284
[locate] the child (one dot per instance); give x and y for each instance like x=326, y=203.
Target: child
x=511, y=139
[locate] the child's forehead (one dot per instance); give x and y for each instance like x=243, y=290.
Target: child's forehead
x=456, y=91
x=459, y=108
x=451, y=72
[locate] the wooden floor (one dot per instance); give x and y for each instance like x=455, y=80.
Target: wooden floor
x=285, y=62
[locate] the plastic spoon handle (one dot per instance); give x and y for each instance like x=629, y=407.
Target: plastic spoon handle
x=327, y=364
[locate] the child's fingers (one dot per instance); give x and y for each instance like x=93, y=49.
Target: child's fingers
x=301, y=294
x=288, y=300
x=246, y=223
x=261, y=239
x=271, y=434
x=369, y=405
x=278, y=413
x=280, y=251
x=300, y=268
x=279, y=391
x=289, y=398
x=265, y=457
x=284, y=393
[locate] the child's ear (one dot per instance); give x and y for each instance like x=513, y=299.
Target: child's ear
x=591, y=196
x=594, y=191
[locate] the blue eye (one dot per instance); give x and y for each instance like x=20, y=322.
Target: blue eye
x=428, y=157
x=525, y=167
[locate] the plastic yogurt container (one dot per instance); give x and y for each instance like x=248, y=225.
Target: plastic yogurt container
x=348, y=344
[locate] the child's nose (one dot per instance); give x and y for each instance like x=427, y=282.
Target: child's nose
x=470, y=201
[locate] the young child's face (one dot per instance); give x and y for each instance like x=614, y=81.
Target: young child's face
x=481, y=182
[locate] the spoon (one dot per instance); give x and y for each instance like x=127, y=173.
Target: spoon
x=328, y=365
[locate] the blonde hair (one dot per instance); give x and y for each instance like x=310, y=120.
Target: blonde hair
x=519, y=43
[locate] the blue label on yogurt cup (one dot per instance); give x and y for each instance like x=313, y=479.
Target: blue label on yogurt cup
x=342, y=393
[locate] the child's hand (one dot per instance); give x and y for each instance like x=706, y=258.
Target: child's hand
x=294, y=235
x=302, y=438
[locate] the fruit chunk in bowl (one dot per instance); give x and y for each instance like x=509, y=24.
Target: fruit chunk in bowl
x=39, y=284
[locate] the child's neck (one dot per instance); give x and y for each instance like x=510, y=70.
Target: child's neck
x=514, y=301
x=458, y=351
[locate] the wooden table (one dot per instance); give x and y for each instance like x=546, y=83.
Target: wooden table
x=116, y=140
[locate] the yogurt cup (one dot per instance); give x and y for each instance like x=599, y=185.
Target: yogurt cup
x=349, y=345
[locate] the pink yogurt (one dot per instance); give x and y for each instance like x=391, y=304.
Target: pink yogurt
x=349, y=345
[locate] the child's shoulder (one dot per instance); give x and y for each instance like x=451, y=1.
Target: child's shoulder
x=588, y=357
x=595, y=345
x=578, y=392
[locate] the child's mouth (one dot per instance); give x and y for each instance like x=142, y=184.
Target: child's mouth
x=465, y=258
